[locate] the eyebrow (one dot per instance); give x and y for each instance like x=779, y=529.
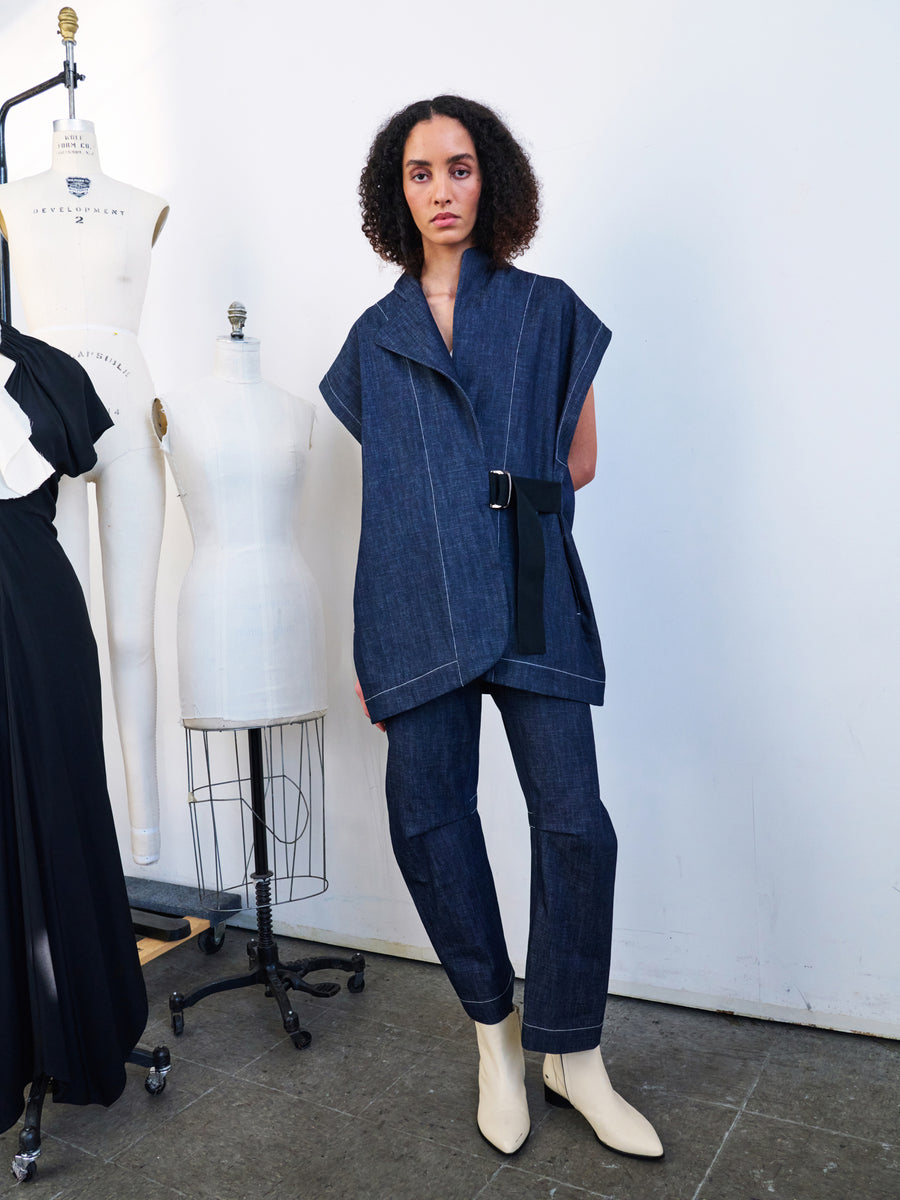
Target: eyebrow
x=424, y=162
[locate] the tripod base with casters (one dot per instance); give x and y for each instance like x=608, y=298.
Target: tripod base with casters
x=24, y=1164
x=277, y=977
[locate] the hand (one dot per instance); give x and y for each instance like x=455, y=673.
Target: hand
x=380, y=724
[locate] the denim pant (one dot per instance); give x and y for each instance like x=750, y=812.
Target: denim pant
x=432, y=778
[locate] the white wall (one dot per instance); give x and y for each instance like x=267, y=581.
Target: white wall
x=721, y=185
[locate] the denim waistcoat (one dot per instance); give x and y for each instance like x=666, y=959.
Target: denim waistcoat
x=434, y=602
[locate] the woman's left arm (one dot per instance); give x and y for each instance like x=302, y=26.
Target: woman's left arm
x=583, y=451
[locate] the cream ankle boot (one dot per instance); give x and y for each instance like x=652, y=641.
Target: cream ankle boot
x=579, y=1080
x=502, y=1106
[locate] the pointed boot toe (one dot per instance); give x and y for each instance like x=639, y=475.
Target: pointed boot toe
x=579, y=1080
x=502, y=1104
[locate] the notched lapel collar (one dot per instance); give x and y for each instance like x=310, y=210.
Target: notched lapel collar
x=411, y=330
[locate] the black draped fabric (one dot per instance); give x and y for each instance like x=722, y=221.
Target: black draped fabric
x=72, y=998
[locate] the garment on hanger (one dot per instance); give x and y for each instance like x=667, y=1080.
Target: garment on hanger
x=72, y=998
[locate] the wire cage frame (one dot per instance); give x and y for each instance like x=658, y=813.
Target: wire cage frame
x=224, y=826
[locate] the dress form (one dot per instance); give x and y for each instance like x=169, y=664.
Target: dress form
x=251, y=655
x=80, y=249
x=250, y=624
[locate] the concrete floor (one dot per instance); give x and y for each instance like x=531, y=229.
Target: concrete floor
x=381, y=1105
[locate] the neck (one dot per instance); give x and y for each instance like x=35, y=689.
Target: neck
x=75, y=146
x=440, y=270
x=237, y=361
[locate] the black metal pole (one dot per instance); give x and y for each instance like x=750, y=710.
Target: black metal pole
x=258, y=803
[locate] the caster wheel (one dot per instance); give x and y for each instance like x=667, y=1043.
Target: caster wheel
x=155, y=1083
x=24, y=1171
x=211, y=940
x=301, y=1038
x=355, y=983
x=177, y=1023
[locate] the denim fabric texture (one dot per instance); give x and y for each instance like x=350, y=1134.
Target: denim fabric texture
x=432, y=785
x=434, y=601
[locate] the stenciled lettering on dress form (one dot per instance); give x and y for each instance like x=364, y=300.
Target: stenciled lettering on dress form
x=250, y=622
x=80, y=246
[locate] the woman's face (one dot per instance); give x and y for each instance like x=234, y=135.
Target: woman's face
x=442, y=182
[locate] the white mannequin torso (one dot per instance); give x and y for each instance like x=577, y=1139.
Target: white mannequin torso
x=80, y=250
x=73, y=216
x=250, y=624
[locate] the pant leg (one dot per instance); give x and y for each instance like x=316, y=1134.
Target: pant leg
x=573, y=848
x=431, y=786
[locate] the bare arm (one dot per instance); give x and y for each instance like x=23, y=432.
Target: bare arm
x=583, y=452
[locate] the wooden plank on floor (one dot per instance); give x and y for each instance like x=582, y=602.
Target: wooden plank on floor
x=150, y=948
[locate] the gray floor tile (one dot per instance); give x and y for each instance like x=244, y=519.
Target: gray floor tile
x=638, y=1070
x=836, y=1081
x=66, y=1173
x=174, y=972
x=409, y=994
x=352, y=1062
x=377, y=1162
x=437, y=1099
x=237, y=1141
x=564, y=1147
x=765, y=1159
x=381, y=1105
x=105, y=1132
x=245, y=1140
x=230, y=1030
x=658, y=1026
x=512, y=1183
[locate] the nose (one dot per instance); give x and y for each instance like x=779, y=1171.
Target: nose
x=441, y=191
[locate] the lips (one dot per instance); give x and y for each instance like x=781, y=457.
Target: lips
x=443, y=219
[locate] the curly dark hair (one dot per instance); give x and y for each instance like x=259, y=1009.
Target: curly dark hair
x=508, y=209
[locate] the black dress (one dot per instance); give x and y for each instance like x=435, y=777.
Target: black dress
x=72, y=998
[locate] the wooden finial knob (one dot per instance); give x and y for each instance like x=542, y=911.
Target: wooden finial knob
x=68, y=24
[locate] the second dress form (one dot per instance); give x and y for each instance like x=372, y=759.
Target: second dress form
x=251, y=647
x=80, y=248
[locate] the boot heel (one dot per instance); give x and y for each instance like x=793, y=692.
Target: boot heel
x=555, y=1098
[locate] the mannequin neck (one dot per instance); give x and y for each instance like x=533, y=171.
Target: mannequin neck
x=75, y=147
x=237, y=361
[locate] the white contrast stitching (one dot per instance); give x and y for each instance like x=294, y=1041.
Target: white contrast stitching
x=558, y=670
x=512, y=390
x=412, y=384
x=575, y=382
x=415, y=679
x=493, y=998
x=564, y=1029
x=356, y=419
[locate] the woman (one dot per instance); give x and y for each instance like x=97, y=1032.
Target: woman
x=469, y=388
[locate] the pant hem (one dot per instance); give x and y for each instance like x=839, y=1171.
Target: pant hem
x=568, y=1041
x=494, y=1011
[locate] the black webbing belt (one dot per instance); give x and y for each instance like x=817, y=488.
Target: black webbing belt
x=529, y=497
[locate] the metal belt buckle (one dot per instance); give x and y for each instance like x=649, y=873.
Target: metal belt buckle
x=508, y=499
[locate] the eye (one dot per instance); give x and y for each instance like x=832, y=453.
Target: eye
x=461, y=172
x=419, y=176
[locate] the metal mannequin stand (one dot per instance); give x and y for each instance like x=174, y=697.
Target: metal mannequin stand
x=158, y=1062
x=264, y=792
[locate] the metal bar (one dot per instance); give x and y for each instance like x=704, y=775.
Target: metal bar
x=258, y=800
